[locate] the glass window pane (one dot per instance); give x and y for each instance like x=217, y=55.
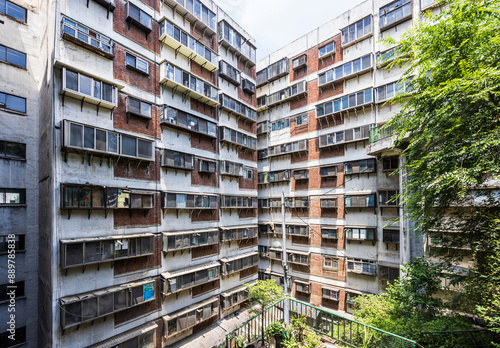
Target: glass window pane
x=107, y=92
x=15, y=103
x=112, y=142
x=88, y=136
x=128, y=146
x=72, y=80
x=16, y=58
x=85, y=85
x=75, y=138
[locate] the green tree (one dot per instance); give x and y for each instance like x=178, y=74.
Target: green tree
x=263, y=294
x=449, y=130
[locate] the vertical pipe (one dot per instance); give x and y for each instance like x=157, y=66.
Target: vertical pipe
x=286, y=311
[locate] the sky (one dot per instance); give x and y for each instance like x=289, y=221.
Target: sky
x=275, y=23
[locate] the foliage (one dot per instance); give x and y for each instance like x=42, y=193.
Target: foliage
x=449, y=129
x=298, y=335
x=410, y=306
x=274, y=329
x=240, y=341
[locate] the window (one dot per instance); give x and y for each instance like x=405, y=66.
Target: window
x=261, y=77
x=300, y=62
x=139, y=18
x=138, y=107
x=243, y=262
x=195, y=314
x=331, y=263
x=86, y=35
x=205, y=166
x=82, y=137
x=231, y=168
x=137, y=63
x=10, y=196
x=394, y=12
x=427, y=3
x=329, y=233
x=111, y=300
x=180, y=119
x=330, y=294
x=391, y=236
x=229, y=103
x=393, y=89
x=354, y=100
x=302, y=174
x=238, y=234
x=345, y=70
x=387, y=56
x=286, y=93
x=388, y=197
x=361, y=266
x=188, y=201
x=389, y=273
x=20, y=333
x=233, y=38
x=229, y=73
x=177, y=159
x=390, y=164
x=326, y=50
x=194, y=278
x=11, y=102
x=17, y=239
x=191, y=82
x=247, y=173
x=360, y=201
x=13, y=10
x=237, y=138
x=80, y=85
x=360, y=233
x=12, y=151
x=12, y=56
x=302, y=119
x=18, y=287
x=360, y=167
x=357, y=30
x=327, y=172
x=231, y=202
x=328, y=203
x=248, y=86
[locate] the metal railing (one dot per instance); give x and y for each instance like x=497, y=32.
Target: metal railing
x=344, y=331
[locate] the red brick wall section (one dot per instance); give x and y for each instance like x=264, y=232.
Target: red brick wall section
x=133, y=170
x=248, y=155
x=136, y=217
x=299, y=73
x=247, y=213
x=203, y=108
x=210, y=41
x=330, y=91
x=248, y=243
x=249, y=271
x=248, y=184
x=299, y=184
x=337, y=57
x=204, y=179
x=139, y=80
x=250, y=99
x=300, y=240
x=204, y=143
x=134, y=123
x=314, y=178
x=140, y=263
x=301, y=268
x=247, y=126
x=297, y=130
x=300, y=101
x=312, y=154
x=159, y=332
x=133, y=33
x=141, y=309
x=332, y=151
x=246, y=69
x=205, y=74
x=205, y=215
x=200, y=289
x=204, y=251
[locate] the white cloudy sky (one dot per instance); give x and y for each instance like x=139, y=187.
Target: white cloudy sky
x=275, y=23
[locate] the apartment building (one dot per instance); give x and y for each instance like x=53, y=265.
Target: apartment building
x=320, y=100
x=149, y=162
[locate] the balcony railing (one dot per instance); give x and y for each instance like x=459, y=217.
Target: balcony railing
x=182, y=42
x=189, y=85
x=181, y=120
x=379, y=133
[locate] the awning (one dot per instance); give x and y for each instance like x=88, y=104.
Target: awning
x=389, y=264
x=236, y=227
x=357, y=292
x=302, y=282
x=192, y=269
x=237, y=257
x=75, y=298
x=330, y=288
x=358, y=226
x=298, y=252
x=190, y=308
x=116, y=340
x=235, y=290
x=275, y=249
x=95, y=239
x=178, y=233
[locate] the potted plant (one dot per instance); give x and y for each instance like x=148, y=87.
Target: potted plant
x=240, y=341
x=275, y=330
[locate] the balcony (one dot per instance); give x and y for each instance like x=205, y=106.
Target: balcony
x=187, y=278
x=233, y=138
x=248, y=86
x=273, y=177
x=188, y=202
x=235, y=296
x=299, y=62
x=360, y=201
x=177, y=160
x=288, y=148
x=183, y=121
x=297, y=91
x=185, y=44
x=352, y=102
x=345, y=136
x=360, y=167
x=231, y=168
x=86, y=139
x=238, y=263
x=93, y=197
x=346, y=71
x=85, y=37
x=262, y=128
x=196, y=13
x=187, y=240
x=232, y=106
x=81, y=252
x=235, y=43
x=188, y=85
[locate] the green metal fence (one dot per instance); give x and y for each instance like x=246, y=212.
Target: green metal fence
x=346, y=332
